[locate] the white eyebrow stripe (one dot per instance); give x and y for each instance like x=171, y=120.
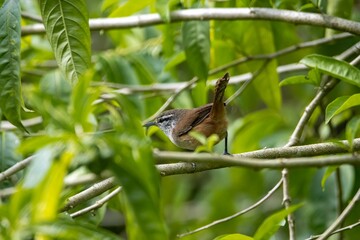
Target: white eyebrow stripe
x=162, y=118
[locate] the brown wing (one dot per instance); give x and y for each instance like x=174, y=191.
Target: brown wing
x=199, y=115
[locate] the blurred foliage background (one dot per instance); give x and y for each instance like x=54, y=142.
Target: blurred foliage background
x=91, y=122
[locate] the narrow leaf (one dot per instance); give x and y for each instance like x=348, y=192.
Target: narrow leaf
x=352, y=129
x=130, y=7
x=271, y=224
x=327, y=174
x=341, y=104
x=235, y=236
x=67, y=27
x=46, y=198
x=10, y=83
x=71, y=229
x=334, y=67
x=258, y=38
x=175, y=60
x=196, y=41
x=314, y=76
x=162, y=7
x=300, y=79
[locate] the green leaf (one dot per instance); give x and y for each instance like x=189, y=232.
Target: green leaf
x=196, y=41
x=73, y=229
x=8, y=154
x=46, y=198
x=272, y=223
x=163, y=8
x=81, y=108
x=334, y=67
x=338, y=8
x=235, y=236
x=300, y=79
x=352, y=130
x=257, y=38
x=314, y=76
x=341, y=104
x=39, y=166
x=136, y=173
x=130, y=7
x=67, y=28
x=135, y=169
x=175, y=60
x=10, y=82
x=116, y=69
x=327, y=174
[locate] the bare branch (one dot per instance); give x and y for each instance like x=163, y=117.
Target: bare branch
x=341, y=217
x=31, y=17
x=213, y=161
x=89, y=193
x=97, y=204
x=294, y=17
x=269, y=153
x=295, y=136
x=287, y=202
x=338, y=231
x=263, y=199
x=15, y=168
x=339, y=196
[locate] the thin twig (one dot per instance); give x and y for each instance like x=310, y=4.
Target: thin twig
x=341, y=217
x=340, y=230
x=31, y=17
x=89, y=193
x=256, y=204
x=243, y=87
x=287, y=202
x=15, y=168
x=97, y=204
x=295, y=136
x=339, y=196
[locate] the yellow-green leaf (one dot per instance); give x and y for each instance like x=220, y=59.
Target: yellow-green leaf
x=341, y=104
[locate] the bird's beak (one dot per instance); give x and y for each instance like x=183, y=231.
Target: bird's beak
x=147, y=125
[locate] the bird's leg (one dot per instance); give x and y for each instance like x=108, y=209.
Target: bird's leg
x=226, y=145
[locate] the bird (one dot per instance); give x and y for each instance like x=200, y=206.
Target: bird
x=207, y=120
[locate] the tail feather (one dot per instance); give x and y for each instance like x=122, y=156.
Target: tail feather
x=218, y=104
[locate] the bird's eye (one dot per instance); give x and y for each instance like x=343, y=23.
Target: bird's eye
x=164, y=118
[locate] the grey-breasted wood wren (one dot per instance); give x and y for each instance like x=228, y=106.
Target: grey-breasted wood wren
x=207, y=120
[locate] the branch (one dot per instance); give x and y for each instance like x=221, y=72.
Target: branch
x=294, y=17
x=263, y=199
x=295, y=136
x=309, y=150
x=207, y=161
x=340, y=230
x=269, y=153
x=287, y=202
x=6, y=125
x=341, y=217
x=97, y=204
x=15, y=168
x=89, y=193
x=181, y=86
